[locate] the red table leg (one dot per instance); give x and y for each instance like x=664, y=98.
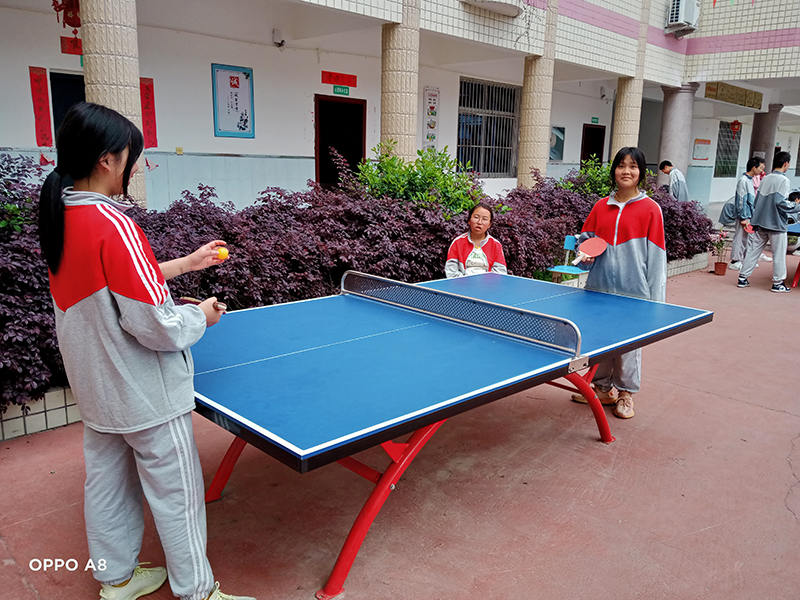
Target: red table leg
x=583, y=386
x=225, y=469
x=796, y=276
x=402, y=455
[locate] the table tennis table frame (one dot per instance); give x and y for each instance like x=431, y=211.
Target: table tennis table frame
x=401, y=454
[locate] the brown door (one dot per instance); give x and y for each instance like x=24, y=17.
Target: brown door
x=594, y=138
x=340, y=123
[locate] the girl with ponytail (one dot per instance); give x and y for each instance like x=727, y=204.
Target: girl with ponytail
x=126, y=345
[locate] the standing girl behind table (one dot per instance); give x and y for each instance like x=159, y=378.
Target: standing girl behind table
x=476, y=251
x=634, y=264
x=126, y=354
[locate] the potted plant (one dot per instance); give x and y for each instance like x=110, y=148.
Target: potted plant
x=718, y=243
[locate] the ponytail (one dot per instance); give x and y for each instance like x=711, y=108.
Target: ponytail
x=87, y=133
x=51, y=220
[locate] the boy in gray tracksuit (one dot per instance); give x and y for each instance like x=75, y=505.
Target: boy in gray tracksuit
x=770, y=222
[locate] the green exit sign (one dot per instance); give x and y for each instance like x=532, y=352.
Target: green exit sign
x=595, y=120
x=341, y=90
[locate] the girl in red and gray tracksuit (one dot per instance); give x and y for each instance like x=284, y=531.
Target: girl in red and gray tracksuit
x=126, y=353
x=475, y=251
x=634, y=264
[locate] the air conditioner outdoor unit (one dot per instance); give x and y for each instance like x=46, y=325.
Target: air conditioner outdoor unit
x=683, y=17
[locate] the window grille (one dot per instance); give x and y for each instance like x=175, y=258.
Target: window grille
x=488, y=127
x=727, y=151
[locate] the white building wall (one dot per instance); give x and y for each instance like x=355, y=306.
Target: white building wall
x=34, y=38
x=591, y=46
x=524, y=33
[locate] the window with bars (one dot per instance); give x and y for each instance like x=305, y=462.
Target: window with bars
x=488, y=127
x=727, y=151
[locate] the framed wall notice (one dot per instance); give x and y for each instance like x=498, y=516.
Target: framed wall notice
x=431, y=127
x=702, y=149
x=233, y=101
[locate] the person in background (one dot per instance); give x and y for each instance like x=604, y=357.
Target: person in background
x=476, y=251
x=770, y=222
x=126, y=353
x=677, y=182
x=634, y=264
x=743, y=207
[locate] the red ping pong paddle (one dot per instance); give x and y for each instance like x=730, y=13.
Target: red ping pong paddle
x=591, y=248
x=748, y=228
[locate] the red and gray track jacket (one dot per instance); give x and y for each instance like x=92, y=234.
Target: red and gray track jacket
x=124, y=341
x=460, y=250
x=635, y=262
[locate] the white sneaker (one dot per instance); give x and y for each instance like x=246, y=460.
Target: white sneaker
x=796, y=252
x=216, y=594
x=765, y=258
x=142, y=582
x=736, y=265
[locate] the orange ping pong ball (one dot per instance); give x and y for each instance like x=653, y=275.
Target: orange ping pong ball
x=222, y=253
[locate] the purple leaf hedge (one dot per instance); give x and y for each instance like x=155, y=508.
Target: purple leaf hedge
x=287, y=246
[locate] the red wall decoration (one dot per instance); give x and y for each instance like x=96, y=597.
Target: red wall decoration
x=148, y=112
x=41, y=106
x=339, y=78
x=71, y=45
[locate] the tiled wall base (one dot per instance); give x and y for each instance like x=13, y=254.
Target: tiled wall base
x=56, y=409
x=699, y=262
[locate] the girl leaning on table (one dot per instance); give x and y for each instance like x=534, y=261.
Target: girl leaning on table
x=475, y=251
x=125, y=346
x=634, y=264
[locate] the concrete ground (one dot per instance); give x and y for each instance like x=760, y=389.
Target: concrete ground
x=697, y=499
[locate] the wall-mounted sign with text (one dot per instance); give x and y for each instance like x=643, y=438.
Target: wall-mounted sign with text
x=430, y=118
x=233, y=101
x=339, y=79
x=702, y=149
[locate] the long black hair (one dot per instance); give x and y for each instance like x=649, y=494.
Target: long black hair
x=87, y=133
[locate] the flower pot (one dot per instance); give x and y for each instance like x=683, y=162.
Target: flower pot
x=720, y=268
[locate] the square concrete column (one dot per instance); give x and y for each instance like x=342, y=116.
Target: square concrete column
x=111, y=65
x=676, y=127
x=536, y=103
x=765, y=130
x=399, y=81
x=627, y=113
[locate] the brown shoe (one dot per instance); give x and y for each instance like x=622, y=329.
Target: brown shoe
x=606, y=398
x=624, y=407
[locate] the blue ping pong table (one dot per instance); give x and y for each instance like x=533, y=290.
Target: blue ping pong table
x=316, y=381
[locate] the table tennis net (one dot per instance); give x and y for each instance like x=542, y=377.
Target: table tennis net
x=552, y=332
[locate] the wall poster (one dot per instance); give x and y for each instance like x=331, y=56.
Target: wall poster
x=702, y=149
x=233, y=101
x=431, y=127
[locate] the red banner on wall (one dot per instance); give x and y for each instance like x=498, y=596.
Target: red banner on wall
x=148, y=112
x=41, y=106
x=71, y=45
x=339, y=78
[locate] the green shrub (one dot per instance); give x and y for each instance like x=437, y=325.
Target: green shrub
x=433, y=178
x=592, y=178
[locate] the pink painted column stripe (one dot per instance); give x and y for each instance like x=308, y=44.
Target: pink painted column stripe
x=589, y=13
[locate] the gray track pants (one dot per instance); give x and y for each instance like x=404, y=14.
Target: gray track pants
x=623, y=372
x=756, y=242
x=161, y=462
